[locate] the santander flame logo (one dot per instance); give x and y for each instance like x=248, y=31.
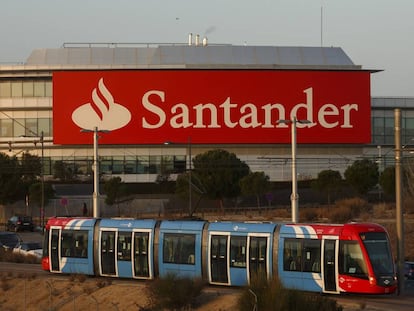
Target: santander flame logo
x=102, y=113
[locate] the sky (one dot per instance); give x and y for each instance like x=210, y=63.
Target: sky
x=375, y=34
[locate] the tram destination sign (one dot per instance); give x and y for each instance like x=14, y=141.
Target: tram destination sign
x=211, y=106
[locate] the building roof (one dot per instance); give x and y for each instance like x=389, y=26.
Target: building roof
x=119, y=56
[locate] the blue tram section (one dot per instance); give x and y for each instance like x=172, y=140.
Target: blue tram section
x=239, y=251
x=71, y=247
x=180, y=248
x=124, y=248
x=299, y=258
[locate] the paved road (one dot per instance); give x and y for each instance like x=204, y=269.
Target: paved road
x=31, y=236
x=404, y=302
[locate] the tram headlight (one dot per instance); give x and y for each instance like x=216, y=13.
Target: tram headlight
x=372, y=281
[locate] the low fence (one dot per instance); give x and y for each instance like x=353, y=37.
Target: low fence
x=140, y=207
x=135, y=208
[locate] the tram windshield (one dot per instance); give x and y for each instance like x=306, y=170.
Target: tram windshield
x=379, y=252
x=351, y=260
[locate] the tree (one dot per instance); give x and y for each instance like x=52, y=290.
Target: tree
x=220, y=172
x=362, y=175
x=62, y=171
x=329, y=182
x=35, y=193
x=197, y=190
x=114, y=190
x=31, y=167
x=256, y=184
x=11, y=184
x=387, y=181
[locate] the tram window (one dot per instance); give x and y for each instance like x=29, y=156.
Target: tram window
x=238, y=251
x=378, y=249
x=74, y=243
x=124, y=246
x=179, y=248
x=351, y=260
x=292, y=255
x=311, y=255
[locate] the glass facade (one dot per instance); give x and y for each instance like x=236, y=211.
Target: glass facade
x=118, y=165
x=382, y=120
x=25, y=88
x=17, y=127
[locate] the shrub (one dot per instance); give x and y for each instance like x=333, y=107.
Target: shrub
x=81, y=278
x=100, y=283
x=408, y=205
x=272, y=296
x=5, y=285
x=309, y=214
x=174, y=293
x=341, y=214
x=348, y=210
x=382, y=210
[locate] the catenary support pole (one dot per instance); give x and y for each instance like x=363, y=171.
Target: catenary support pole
x=96, y=211
x=294, y=197
x=398, y=201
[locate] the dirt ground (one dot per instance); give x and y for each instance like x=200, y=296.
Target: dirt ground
x=39, y=293
x=64, y=294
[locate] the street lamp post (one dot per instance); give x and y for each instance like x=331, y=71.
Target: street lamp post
x=294, y=197
x=190, y=207
x=95, y=168
x=42, y=182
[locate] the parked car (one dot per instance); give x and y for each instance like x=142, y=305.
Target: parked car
x=20, y=223
x=29, y=248
x=9, y=240
x=409, y=270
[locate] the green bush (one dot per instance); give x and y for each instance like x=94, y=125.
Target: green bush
x=273, y=296
x=173, y=293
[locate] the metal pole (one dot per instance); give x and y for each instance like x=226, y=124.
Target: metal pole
x=379, y=171
x=190, y=209
x=96, y=212
x=42, y=180
x=294, y=196
x=398, y=201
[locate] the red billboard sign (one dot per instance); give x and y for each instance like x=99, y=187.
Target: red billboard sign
x=211, y=106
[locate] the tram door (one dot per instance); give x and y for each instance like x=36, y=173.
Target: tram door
x=257, y=257
x=329, y=265
x=218, y=259
x=141, y=262
x=54, y=249
x=108, y=253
